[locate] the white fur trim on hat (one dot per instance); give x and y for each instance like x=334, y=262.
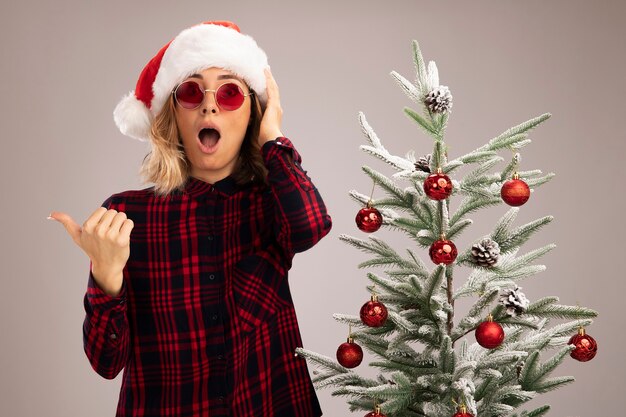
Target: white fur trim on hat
x=205, y=46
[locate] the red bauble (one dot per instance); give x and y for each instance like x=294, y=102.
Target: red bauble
x=368, y=219
x=515, y=192
x=586, y=346
x=443, y=252
x=349, y=354
x=438, y=186
x=489, y=334
x=373, y=313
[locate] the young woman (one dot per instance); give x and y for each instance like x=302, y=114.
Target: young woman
x=188, y=289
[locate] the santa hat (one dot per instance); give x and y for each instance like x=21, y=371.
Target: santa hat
x=209, y=44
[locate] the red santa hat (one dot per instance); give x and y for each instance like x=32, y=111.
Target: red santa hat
x=209, y=44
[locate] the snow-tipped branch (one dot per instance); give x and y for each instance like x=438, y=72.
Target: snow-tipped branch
x=502, y=140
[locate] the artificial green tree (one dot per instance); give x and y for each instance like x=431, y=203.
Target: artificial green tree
x=429, y=362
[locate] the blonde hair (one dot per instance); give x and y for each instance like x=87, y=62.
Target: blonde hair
x=168, y=167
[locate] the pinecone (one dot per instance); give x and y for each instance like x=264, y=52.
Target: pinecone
x=515, y=301
x=423, y=164
x=439, y=100
x=486, y=252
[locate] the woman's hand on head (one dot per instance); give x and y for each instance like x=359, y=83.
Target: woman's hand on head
x=105, y=238
x=270, y=123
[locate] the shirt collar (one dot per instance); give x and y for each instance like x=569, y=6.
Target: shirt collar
x=199, y=188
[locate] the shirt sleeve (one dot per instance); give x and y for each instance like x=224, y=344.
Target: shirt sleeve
x=301, y=219
x=106, y=338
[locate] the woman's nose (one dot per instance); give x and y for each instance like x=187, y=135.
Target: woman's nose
x=209, y=102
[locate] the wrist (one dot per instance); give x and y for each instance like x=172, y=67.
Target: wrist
x=105, y=270
x=108, y=280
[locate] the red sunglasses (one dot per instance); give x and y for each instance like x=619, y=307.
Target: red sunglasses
x=190, y=95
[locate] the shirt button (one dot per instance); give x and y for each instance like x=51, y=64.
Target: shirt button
x=211, y=277
x=220, y=357
x=214, y=317
x=221, y=399
x=113, y=336
x=279, y=142
x=210, y=237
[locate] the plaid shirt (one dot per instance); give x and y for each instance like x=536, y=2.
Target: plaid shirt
x=205, y=324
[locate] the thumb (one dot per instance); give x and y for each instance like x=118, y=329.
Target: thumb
x=70, y=225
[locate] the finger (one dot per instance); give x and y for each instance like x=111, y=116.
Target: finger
x=93, y=220
x=268, y=84
x=104, y=226
x=73, y=228
x=272, y=87
x=127, y=226
x=118, y=220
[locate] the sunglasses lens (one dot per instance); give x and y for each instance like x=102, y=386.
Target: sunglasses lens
x=229, y=96
x=189, y=95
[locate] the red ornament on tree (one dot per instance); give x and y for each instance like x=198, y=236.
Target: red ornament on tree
x=462, y=412
x=489, y=334
x=586, y=346
x=442, y=251
x=515, y=192
x=373, y=313
x=349, y=354
x=438, y=186
x=369, y=219
x=375, y=413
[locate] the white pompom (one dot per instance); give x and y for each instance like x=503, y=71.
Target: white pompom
x=133, y=118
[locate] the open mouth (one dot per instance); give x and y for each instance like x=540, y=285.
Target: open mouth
x=208, y=138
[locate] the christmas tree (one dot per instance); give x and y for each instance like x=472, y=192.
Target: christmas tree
x=503, y=352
